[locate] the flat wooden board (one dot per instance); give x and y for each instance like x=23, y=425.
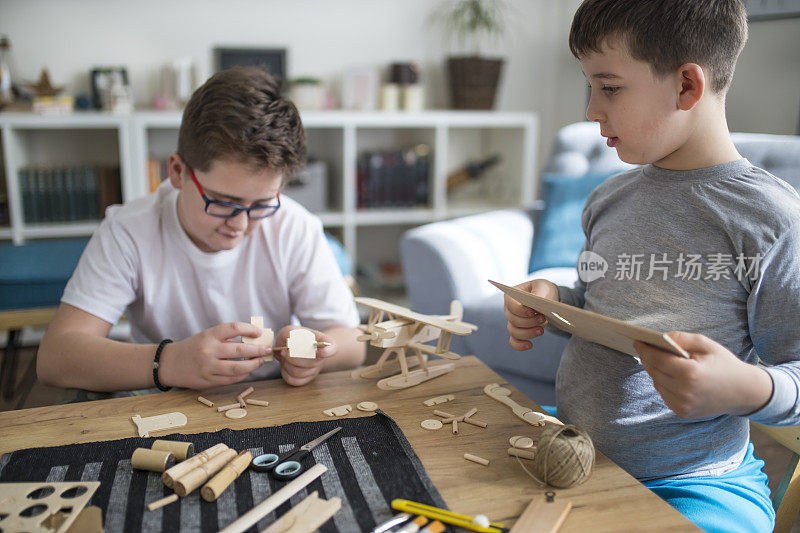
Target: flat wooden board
x=458, y=327
x=609, y=332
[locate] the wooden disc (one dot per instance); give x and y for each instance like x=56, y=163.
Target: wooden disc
x=521, y=442
x=431, y=424
x=367, y=406
x=236, y=413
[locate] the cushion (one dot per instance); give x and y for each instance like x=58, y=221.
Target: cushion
x=559, y=237
x=34, y=274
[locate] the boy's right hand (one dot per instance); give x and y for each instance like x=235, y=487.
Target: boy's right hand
x=208, y=359
x=523, y=322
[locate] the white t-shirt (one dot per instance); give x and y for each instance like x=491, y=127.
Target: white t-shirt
x=141, y=262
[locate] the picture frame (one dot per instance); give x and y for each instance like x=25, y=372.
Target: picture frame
x=272, y=59
x=100, y=77
x=771, y=9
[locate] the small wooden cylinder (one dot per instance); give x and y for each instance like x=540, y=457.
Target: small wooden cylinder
x=262, y=403
x=180, y=469
x=205, y=401
x=443, y=414
x=153, y=460
x=476, y=459
x=194, y=478
x=228, y=407
x=226, y=476
x=181, y=450
x=474, y=422
x=245, y=393
x=523, y=454
x=455, y=427
x=471, y=412
x=162, y=502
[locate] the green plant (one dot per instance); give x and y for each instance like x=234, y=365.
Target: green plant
x=471, y=23
x=306, y=80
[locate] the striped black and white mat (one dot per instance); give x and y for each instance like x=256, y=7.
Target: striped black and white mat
x=370, y=462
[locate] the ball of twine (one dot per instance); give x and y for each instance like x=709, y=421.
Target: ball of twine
x=564, y=456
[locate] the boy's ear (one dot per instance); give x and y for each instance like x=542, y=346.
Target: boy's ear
x=174, y=169
x=693, y=85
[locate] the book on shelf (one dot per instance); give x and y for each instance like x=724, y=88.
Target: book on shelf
x=156, y=172
x=68, y=194
x=393, y=178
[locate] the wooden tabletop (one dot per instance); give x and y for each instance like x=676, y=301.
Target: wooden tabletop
x=610, y=500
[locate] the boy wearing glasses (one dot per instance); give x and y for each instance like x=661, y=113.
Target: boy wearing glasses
x=215, y=244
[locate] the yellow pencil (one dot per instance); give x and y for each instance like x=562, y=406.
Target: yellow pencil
x=460, y=520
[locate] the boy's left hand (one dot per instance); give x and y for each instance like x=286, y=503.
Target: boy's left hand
x=298, y=371
x=713, y=381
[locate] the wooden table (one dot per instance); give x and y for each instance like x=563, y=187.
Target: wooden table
x=611, y=500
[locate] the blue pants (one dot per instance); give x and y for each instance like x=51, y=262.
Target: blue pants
x=734, y=502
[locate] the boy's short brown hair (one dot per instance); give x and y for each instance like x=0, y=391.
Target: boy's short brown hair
x=240, y=115
x=666, y=33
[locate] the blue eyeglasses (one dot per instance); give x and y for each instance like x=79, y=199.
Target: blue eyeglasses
x=218, y=208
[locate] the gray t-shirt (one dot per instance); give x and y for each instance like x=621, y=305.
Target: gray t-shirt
x=713, y=251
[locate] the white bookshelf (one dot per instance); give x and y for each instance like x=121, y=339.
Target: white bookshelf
x=336, y=137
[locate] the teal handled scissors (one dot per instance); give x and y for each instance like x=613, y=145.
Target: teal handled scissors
x=285, y=466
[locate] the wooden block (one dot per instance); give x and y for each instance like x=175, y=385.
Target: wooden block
x=476, y=459
x=159, y=422
x=439, y=399
x=339, y=411
x=523, y=454
x=180, y=469
x=89, y=520
x=302, y=343
x=262, y=403
x=196, y=477
x=152, y=460
x=181, y=450
x=541, y=516
x=205, y=401
x=265, y=339
x=227, y=475
x=162, y=502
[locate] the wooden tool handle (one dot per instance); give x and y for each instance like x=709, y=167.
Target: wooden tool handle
x=193, y=479
x=226, y=476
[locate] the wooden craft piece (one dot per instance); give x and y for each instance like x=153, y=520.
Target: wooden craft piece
x=262, y=403
x=415, y=377
x=524, y=454
x=389, y=368
x=443, y=414
x=455, y=427
x=43, y=507
x=152, y=460
x=471, y=412
x=501, y=394
x=542, y=516
x=247, y=392
x=228, y=407
x=367, y=406
x=476, y=459
x=170, y=476
x=196, y=477
x=521, y=442
x=166, y=500
x=236, y=413
x=181, y=450
x=439, y=399
x=159, y=422
x=255, y=514
x=267, y=336
x=89, y=520
x=302, y=343
x=609, y=332
x=474, y=422
x=226, y=476
x=308, y=515
x=339, y=411
x=431, y=424
x=205, y=401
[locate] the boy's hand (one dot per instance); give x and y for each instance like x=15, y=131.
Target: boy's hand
x=298, y=371
x=523, y=322
x=713, y=381
x=208, y=359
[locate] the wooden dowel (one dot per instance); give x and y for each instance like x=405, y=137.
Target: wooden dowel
x=476, y=459
x=162, y=502
x=270, y=504
x=524, y=454
x=443, y=414
x=194, y=478
x=455, y=427
x=226, y=476
x=247, y=392
x=471, y=412
x=228, y=407
x=262, y=403
x=205, y=401
x=180, y=469
x=474, y=422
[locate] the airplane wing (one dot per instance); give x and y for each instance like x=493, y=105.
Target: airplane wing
x=456, y=327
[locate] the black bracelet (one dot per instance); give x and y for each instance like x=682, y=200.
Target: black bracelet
x=156, y=364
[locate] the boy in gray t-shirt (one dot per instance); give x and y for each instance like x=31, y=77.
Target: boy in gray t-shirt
x=698, y=242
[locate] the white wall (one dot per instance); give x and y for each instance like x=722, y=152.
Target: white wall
x=324, y=37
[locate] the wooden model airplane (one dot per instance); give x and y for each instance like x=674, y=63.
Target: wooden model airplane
x=405, y=330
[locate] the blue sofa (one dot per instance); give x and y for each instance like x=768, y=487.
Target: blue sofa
x=453, y=259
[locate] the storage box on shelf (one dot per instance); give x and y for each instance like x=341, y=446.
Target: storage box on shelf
x=441, y=142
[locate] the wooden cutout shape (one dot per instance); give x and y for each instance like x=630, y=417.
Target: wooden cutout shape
x=89, y=520
x=267, y=336
x=415, y=377
x=302, y=343
x=541, y=516
x=308, y=515
x=339, y=411
x=439, y=399
x=389, y=368
x=501, y=394
x=609, y=332
x=158, y=422
x=367, y=406
x=51, y=508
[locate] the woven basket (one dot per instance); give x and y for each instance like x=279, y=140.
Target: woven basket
x=473, y=81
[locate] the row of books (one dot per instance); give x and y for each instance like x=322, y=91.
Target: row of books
x=394, y=178
x=68, y=194
x=156, y=172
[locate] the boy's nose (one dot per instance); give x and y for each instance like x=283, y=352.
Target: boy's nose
x=238, y=222
x=593, y=111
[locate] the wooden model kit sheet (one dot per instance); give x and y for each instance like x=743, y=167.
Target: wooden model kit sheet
x=609, y=332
